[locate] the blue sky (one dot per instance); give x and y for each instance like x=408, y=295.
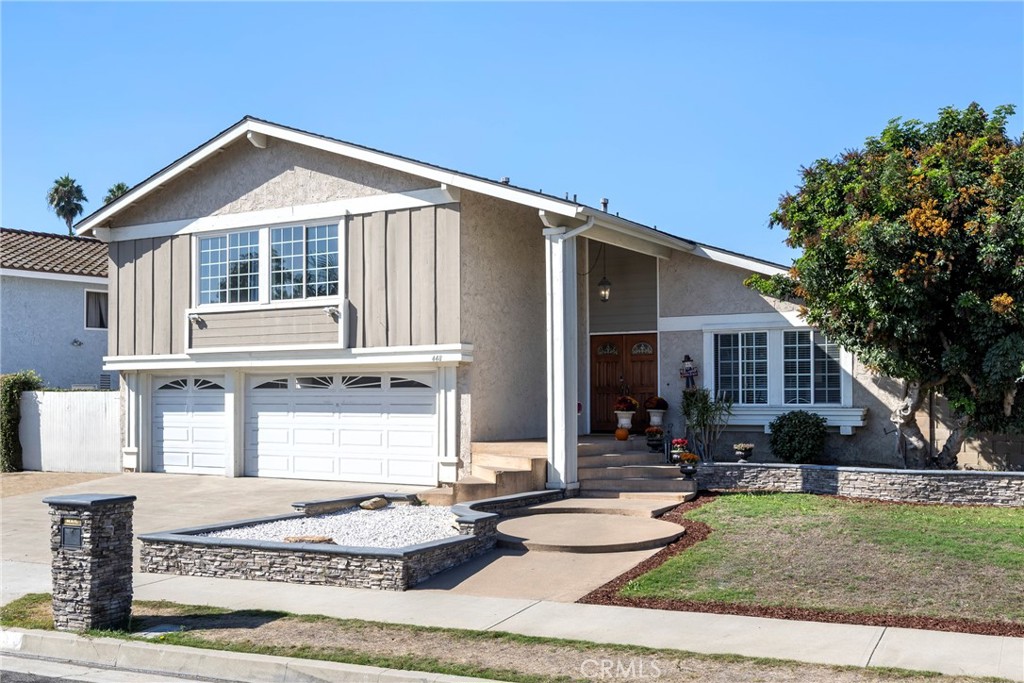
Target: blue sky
x=693, y=117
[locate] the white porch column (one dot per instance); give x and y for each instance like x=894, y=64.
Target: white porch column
x=560, y=258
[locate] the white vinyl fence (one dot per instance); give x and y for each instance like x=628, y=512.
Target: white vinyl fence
x=70, y=431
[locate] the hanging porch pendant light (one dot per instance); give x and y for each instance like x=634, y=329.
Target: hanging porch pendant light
x=604, y=287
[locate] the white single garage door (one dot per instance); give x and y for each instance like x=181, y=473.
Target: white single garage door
x=372, y=427
x=189, y=427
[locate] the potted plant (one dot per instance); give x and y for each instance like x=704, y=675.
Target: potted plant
x=688, y=465
x=625, y=406
x=679, y=446
x=655, y=438
x=656, y=407
x=743, y=451
x=706, y=417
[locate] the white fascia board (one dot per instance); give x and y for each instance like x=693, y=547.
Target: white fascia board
x=627, y=227
x=137, y=193
x=431, y=356
x=421, y=170
x=738, y=261
x=321, y=211
x=731, y=321
x=60, y=277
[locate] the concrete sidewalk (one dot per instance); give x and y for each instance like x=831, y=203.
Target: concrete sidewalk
x=813, y=642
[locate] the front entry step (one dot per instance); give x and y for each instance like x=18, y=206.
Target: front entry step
x=573, y=532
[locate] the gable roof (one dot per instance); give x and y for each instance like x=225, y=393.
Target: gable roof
x=45, y=252
x=611, y=226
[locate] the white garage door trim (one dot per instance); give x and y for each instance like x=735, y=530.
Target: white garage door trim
x=370, y=426
x=189, y=433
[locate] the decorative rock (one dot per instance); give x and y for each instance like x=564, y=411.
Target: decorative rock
x=308, y=539
x=374, y=503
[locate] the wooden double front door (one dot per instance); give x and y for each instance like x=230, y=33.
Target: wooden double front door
x=621, y=364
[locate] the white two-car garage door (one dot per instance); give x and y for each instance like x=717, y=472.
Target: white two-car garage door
x=189, y=427
x=372, y=427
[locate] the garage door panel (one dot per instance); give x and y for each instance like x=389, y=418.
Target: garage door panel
x=411, y=439
x=189, y=433
x=410, y=469
x=353, y=430
x=361, y=438
x=317, y=466
x=361, y=467
x=307, y=436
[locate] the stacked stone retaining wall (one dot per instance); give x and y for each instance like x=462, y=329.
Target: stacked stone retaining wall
x=907, y=486
x=189, y=552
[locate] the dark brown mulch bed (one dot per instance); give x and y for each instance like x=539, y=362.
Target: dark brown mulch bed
x=696, y=532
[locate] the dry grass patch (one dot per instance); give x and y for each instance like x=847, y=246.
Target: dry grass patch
x=495, y=655
x=822, y=553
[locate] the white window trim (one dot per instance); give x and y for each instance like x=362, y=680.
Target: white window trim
x=264, y=301
x=85, y=310
x=842, y=415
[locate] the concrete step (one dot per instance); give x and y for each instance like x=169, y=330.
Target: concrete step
x=521, y=448
x=474, y=488
x=670, y=498
x=442, y=496
x=602, y=445
x=678, y=485
x=638, y=507
x=630, y=472
x=620, y=459
x=511, y=461
x=574, y=532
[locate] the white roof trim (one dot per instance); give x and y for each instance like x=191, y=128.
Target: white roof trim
x=246, y=126
x=62, y=277
x=743, y=262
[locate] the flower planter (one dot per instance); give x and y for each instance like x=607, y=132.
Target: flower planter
x=625, y=418
x=657, y=417
x=688, y=470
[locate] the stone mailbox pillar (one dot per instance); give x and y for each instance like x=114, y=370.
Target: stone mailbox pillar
x=91, y=540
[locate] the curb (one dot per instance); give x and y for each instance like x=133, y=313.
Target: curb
x=177, y=660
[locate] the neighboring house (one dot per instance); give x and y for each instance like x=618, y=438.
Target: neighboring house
x=289, y=305
x=53, y=308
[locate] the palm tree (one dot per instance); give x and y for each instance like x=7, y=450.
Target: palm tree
x=65, y=198
x=115, y=191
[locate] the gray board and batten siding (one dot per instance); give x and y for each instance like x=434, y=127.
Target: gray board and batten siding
x=633, y=305
x=403, y=280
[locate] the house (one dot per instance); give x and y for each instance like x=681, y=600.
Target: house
x=53, y=308
x=285, y=304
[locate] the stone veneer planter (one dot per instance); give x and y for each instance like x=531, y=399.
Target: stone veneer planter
x=185, y=552
x=906, y=486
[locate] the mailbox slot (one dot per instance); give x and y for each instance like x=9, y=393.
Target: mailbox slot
x=70, y=533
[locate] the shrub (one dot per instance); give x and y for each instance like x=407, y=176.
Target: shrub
x=11, y=387
x=798, y=436
x=626, y=403
x=656, y=403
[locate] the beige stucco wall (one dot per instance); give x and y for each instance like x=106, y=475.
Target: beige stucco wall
x=244, y=178
x=502, y=302
x=694, y=285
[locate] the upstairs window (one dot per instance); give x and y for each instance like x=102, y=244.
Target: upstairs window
x=95, y=310
x=229, y=268
x=303, y=262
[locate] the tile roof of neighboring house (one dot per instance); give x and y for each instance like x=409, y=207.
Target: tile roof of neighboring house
x=46, y=252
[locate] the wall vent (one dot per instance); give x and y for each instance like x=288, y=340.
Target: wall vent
x=105, y=381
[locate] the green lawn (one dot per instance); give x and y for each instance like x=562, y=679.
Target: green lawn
x=816, y=552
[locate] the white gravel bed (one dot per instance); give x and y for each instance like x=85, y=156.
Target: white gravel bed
x=394, y=526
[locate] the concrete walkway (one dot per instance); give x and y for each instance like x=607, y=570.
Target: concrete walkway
x=503, y=591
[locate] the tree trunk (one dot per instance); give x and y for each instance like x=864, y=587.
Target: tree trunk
x=946, y=458
x=913, y=445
